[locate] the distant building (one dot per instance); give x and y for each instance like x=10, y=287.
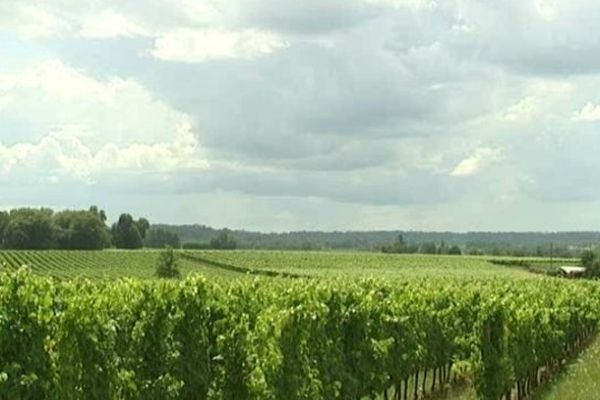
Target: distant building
x=571, y=271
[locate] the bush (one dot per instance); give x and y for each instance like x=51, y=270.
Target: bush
x=589, y=260
x=168, y=264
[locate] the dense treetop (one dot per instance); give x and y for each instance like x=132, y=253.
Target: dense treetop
x=43, y=229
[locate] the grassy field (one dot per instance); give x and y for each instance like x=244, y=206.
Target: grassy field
x=580, y=380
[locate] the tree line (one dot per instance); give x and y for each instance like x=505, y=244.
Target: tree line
x=45, y=229
x=517, y=244
x=402, y=247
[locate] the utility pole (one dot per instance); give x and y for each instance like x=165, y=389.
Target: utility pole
x=551, y=255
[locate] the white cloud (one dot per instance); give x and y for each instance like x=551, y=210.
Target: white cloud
x=31, y=21
x=196, y=46
x=55, y=79
x=53, y=95
x=64, y=152
x=542, y=99
x=590, y=112
x=523, y=110
x=546, y=9
x=110, y=24
x=205, y=12
x=473, y=164
x=80, y=127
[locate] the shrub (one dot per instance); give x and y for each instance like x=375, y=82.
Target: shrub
x=168, y=264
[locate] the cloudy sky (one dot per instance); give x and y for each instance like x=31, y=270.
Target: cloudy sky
x=280, y=115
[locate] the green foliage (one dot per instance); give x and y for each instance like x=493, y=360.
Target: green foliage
x=493, y=374
x=159, y=238
x=400, y=246
x=4, y=220
x=224, y=241
x=143, y=226
x=454, y=250
x=81, y=230
x=428, y=248
x=126, y=233
x=99, y=213
x=168, y=264
x=281, y=339
x=30, y=228
x=556, y=244
x=42, y=229
x=27, y=325
x=591, y=262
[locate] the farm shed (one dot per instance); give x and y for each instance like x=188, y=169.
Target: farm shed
x=571, y=271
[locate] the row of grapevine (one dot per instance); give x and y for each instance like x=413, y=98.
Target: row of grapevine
x=283, y=339
x=66, y=264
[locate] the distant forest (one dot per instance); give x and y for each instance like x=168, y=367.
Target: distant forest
x=558, y=244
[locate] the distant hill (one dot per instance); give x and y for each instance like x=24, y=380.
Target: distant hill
x=512, y=243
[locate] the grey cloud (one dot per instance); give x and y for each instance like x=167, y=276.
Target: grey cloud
x=368, y=187
x=369, y=84
x=311, y=16
x=556, y=40
x=278, y=107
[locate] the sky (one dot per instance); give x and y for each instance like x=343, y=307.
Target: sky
x=278, y=115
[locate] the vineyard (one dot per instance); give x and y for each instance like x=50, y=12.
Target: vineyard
x=65, y=264
x=349, y=334
x=285, y=339
x=334, y=264
x=96, y=265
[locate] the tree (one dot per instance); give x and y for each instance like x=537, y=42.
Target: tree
x=168, y=264
x=589, y=259
x=455, y=250
x=4, y=219
x=100, y=213
x=143, y=225
x=223, y=241
x=30, y=228
x=442, y=249
x=428, y=248
x=159, y=238
x=81, y=230
x=398, y=246
x=126, y=234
